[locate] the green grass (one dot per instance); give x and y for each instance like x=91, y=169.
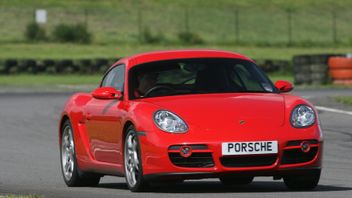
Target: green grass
x=296, y=4
x=344, y=100
x=60, y=51
x=263, y=23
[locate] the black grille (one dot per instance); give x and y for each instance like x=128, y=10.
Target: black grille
x=248, y=161
x=298, y=142
x=193, y=146
x=197, y=160
x=293, y=156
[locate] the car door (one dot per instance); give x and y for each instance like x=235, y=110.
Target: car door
x=104, y=119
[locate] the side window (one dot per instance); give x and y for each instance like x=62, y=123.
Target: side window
x=115, y=78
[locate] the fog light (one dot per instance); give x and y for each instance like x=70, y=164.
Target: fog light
x=305, y=147
x=185, y=151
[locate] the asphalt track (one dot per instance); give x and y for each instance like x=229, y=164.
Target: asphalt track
x=29, y=156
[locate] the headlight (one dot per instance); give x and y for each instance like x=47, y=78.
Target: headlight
x=169, y=122
x=302, y=116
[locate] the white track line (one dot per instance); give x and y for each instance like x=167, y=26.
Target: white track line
x=333, y=110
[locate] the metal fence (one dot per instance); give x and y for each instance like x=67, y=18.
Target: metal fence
x=128, y=23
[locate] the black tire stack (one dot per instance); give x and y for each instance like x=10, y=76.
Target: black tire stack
x=311, y=69
x=273, y=65
x=51, y=66
x=9, y=66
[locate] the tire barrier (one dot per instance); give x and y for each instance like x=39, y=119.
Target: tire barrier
x=9, y=65
x=27, y=66
x=86, y=66
x=40, y=67
x=312, y=69
x=341, y=70
x=343, y=82
x=50, y=66
x=341, y=74
x=340, y=63
x=274, y=65
x=101, y=65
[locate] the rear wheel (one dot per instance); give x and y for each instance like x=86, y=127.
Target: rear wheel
x=69, y=167
x=231, y=180
x=307, y=181
x=133, y=163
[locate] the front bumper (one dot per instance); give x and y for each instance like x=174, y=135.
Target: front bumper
x=161, y=157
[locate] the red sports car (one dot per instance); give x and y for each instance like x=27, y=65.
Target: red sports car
x=190, y=114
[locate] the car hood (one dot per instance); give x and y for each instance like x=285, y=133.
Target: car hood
x=213, y=112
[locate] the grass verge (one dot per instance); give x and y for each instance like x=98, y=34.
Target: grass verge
x=74, y=51
x=347, y=100
x=256, y=21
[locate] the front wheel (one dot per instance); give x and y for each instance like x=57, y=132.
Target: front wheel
x=132, y=162
x=69, y=167
x=308, y=181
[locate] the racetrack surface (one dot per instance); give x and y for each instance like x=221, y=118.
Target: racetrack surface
x=29, y=157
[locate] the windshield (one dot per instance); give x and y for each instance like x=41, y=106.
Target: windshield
x=197, y=76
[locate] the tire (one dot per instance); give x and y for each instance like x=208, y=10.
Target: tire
x=101, y=65
x=71, y=173
x=230, y=180
x=302, y=69
x=85, y=66
x=49, y=66
x=303, y=78
x=301, y=60
x=10, y=64
x=319, y=78
x=23, y=66
x=340, y=63
x=133, y=163
x=31, y=66
x=341, y=74
x=319, y=59
x=307, y=181
x=343, y=82
x=40, y=67
x=319, y=68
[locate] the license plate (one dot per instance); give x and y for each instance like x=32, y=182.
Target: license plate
x=249, y=148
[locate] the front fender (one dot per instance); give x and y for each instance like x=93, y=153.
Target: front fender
x=74, y=110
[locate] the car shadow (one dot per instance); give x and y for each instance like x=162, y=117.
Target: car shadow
x=217, y=187
x=113, y=186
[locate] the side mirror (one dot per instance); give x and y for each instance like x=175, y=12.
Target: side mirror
x=283, y=86
x=107, y=93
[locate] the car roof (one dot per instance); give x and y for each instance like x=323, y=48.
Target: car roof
x=180, y=54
